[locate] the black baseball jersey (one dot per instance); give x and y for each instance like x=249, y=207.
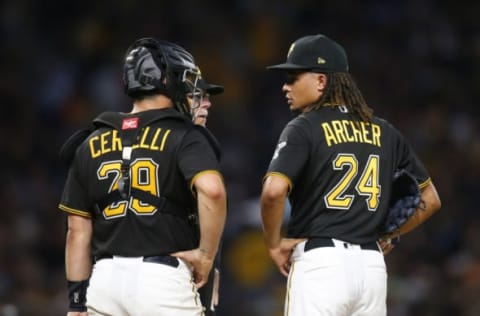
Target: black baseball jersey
x=168, y=152
x=340, y=173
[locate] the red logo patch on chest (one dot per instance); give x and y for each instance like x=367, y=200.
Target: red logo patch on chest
x=130, y=123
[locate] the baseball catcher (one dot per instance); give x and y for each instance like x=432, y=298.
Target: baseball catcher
x=145, y=196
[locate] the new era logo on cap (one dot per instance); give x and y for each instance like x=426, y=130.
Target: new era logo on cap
x=130, y=123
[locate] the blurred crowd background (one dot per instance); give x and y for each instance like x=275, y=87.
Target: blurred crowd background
x=416, y=61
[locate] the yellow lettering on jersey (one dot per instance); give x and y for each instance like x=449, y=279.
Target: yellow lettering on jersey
x=150, y=139
x=104, y=142
x=110, y=141
x=376, y=133
x=144, y=137
x=164, y=139
x=365, y=133
x=348, y=135
x=356, y=133
x=347, y=131
x=153, y=145
x=116, y=141
x=329, y=136
x=94, y=152
x=339, y=131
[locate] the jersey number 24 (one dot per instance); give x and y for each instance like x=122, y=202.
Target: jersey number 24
x=367, y=184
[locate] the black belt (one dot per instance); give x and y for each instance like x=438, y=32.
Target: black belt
x=166, y=260
x=318, y=242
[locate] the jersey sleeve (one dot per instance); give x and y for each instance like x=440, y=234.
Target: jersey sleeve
x=74, y=194
x=292, y=152
x=196, y=156
x=408, y=160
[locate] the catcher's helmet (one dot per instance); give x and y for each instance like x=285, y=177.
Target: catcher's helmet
x=153, y=66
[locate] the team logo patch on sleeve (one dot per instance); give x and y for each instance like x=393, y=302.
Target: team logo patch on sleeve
x=277, y=150
x=130, y=123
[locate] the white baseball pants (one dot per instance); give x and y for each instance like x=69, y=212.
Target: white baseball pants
x=124, y=286
x=343, y=280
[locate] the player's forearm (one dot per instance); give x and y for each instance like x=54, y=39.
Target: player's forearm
x=272, y=209
x=212, y=210
x=77, y=249
x=211, y=230
x=430, y=206
x=272, y=201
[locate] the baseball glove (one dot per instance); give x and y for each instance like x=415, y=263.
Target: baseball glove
x=404, y=201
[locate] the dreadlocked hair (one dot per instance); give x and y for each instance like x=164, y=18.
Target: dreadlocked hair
x=342, y=90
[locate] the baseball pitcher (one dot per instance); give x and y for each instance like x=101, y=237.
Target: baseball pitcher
x=336, y=163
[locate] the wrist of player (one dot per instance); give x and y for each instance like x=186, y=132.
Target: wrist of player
x=207, y=253
x=274, y=252
x=275, y=244
x=273, y=240
x=77, y=295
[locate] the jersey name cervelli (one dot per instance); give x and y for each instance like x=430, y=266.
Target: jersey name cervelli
x=109, y=141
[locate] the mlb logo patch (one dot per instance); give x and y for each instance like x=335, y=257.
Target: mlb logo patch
x=130, y=123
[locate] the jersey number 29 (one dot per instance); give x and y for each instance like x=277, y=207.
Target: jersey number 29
x=143, y=177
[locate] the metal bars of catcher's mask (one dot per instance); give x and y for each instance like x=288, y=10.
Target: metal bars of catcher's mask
x=190, y=78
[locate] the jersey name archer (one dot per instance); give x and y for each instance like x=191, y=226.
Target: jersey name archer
x=340, y=171
x=343, y=131
x=167, y=153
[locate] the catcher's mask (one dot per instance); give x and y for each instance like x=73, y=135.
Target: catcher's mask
x=152, y=66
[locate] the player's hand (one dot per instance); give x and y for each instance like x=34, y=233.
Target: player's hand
x=281, y=254
x=386, y=244
x=77, y=314
x=199, y=262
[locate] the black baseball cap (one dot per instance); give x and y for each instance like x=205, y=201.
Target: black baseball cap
x=317, y=53
x=208, y=87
